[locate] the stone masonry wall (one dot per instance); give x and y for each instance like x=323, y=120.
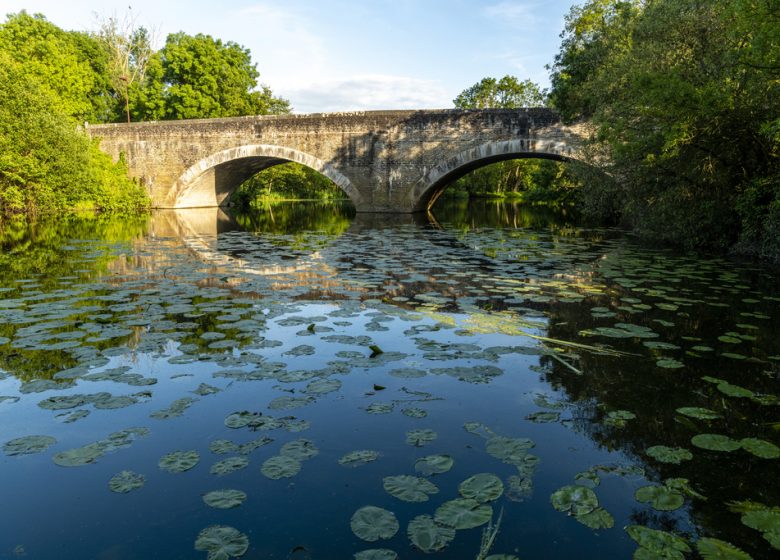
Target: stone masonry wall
x=386, y=161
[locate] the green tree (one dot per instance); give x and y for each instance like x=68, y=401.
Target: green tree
x=506, y=93
x=46, y=163
x=686, y=99
x=202, y=77
x=68, y=66
x=594, y=36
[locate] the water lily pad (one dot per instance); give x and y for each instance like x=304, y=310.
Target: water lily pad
x=669, y=363
x=508, y=450
x=376, y=554
x=300, y=449
x=126, y=481
x=623, y=330
x=241, y=419
x=414, y=412
x=729, y=339
x=483, y=487
x=407, y=373
x=760, y=448
x=289, y=403
x=715, y=442
x=222, y=446
x=660, y=498
x=683, y=486
x=224, y=499
x=380, y=408
x=301, y=350
x=764, y=520
x=358, y=458
x=222, y=542
x=427, y=535
x=698, y=413
x=716, y=549
x=734, y=390
x=672, y=455
x=248, y=447
x=618, y=418
x=175, y=409
x=463, y=513
x=409, y=488
x=577, y=500
x=204, y=389
x=281, y=466
x=73, y=416
x=179, y=461
x=599, y=518
x=323, y=386
x=229, y=465
x=371, y=523
x=419, y=438
x=433, y=464
x=28, y=445
x=658, y=544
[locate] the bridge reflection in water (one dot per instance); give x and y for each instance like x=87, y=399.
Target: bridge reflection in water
x=320, y=262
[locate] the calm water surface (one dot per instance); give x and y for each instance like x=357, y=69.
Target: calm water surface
x=614, y=400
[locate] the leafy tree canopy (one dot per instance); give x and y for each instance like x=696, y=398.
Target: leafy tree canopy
x=70, y=66
x=506, y=93
x=46, y=163
x=686, y=99
x=202, y=77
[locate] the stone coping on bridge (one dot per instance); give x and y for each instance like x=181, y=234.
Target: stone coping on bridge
x=384, y=114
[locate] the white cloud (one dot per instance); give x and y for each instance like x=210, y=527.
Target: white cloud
x=368, y=92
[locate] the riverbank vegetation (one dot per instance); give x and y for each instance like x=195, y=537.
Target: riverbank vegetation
x=53, y=81
x=685, y=100
x=284, y=183
x=49, y=82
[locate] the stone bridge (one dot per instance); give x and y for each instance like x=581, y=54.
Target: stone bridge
x=385, y=161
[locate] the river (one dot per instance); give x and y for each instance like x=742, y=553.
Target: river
x=306, y=383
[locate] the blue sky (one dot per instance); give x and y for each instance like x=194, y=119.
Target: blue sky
x=341, y=55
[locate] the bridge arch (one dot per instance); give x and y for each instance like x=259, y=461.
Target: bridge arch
x=431, y=185
x=211, y=180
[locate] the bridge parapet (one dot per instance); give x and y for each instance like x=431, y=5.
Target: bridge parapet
x=385, y=161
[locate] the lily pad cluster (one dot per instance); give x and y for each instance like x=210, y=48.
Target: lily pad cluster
x=657, y=544
x=582, y=503
x=718, y=442
x=92, y=452
x=288, y=463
